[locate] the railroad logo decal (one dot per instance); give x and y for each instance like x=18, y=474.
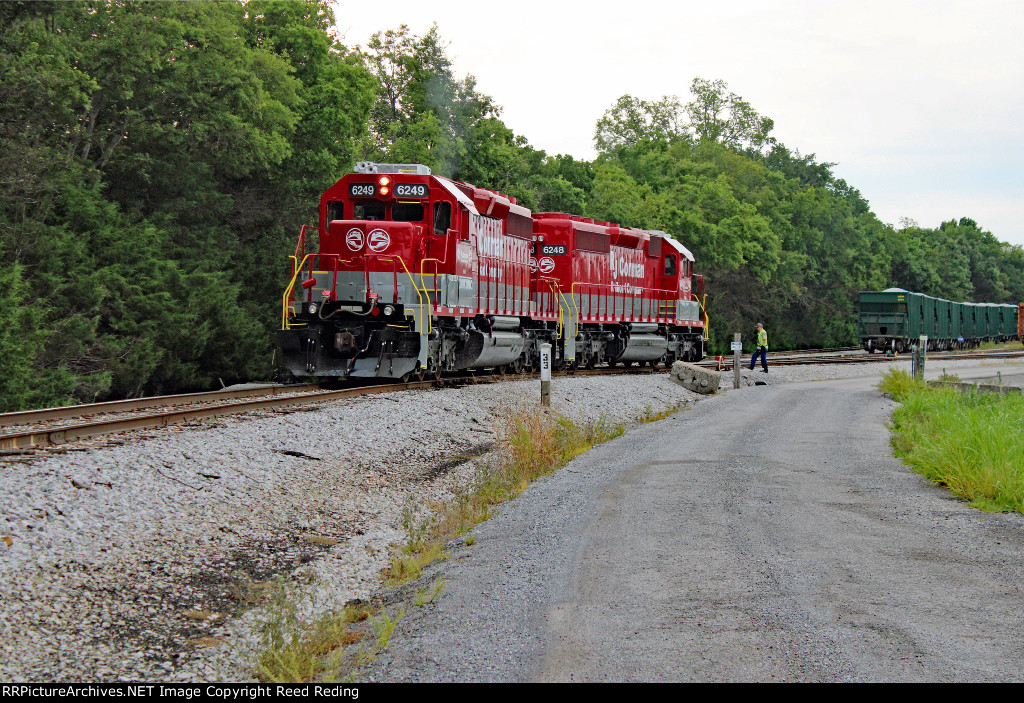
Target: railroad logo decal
x=354, y=239
x=627, y=264
x=378, y=240
x=533, y=263
x=546, y=265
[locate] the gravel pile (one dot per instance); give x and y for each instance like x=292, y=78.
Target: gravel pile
x=138, y=558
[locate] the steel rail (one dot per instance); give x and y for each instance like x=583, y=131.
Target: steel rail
x=43, y=437
x=26, y=417
x=50, y=436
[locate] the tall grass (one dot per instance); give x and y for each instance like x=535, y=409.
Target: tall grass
x=969, y=442
x=531, y=443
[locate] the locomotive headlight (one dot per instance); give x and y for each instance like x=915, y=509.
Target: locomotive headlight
x=311, y=309
x=383, y=180
x=389, y=310
x=384, y=190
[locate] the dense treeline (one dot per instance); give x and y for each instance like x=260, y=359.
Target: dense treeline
x=157, y=159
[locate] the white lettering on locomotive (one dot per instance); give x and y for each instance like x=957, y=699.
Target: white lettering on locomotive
x=627, y=263
x=490, y=242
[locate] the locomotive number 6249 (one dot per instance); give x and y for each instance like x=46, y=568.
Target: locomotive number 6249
x=411, y=190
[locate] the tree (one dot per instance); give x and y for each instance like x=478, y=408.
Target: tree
x=631, y=122
x=724, y=117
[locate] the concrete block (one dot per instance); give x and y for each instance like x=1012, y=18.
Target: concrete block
x=694, y=378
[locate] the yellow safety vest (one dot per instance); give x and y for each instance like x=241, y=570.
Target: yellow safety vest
x=762, y=338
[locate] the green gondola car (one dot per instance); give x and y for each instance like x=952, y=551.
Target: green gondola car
x=894, y=319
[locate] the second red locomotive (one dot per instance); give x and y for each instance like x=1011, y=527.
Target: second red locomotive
x=416, y=275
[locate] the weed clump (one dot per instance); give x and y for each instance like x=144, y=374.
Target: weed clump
x=295, y=647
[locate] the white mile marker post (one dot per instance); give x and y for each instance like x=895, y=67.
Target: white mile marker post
x=737, y=359
x=545, y=374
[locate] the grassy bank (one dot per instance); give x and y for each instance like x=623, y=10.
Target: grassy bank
x=969, y=442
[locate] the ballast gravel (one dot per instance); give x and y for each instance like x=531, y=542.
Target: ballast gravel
x=138, y=557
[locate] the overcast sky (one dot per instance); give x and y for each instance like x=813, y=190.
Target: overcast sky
x=921, y=104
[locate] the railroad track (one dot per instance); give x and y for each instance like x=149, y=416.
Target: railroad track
x=22, y=433
x=837, y=356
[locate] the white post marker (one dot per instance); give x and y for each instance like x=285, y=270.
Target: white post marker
x=924, y=353
x=545, y=374
x=737, y=359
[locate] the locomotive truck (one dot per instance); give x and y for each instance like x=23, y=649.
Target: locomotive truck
x=411, y=275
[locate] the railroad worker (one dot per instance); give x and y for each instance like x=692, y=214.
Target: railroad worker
x=762, y=349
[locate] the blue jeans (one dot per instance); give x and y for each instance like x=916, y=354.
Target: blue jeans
x=763, y=352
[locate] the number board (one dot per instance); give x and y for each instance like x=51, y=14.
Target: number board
x=553, y=249
x=362, y=190
x=411, y=190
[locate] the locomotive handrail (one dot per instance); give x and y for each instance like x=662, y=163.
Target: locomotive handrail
x=419, y=293
x=301, y=244
x=573, y=320
x=296, y=270
x=602, y=286
x=437, y=263
x=707, y=320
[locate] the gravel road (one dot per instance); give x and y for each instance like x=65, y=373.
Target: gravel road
x=766, y=534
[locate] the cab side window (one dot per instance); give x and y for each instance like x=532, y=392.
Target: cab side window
x=442, y=218
x=670, y=265
x=335, y=211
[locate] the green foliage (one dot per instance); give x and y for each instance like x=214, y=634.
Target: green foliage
x=964, y=441
x=158, y=158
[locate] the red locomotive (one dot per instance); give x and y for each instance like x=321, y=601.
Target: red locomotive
x=417, y=275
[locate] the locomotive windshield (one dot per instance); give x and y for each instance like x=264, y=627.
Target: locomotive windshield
x=397, y=212
x=368, y=210
x=407, y=212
